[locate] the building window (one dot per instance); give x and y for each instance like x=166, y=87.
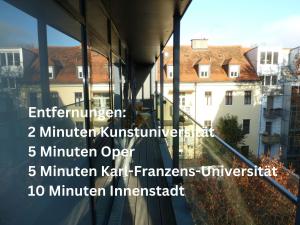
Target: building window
x=9, y=82
x=274, y=80
x=269, y=58
x=270, y=102
x=262, y=58
x=101, y=100
x=207, y=123
x=51, y=72
x=204, y=71
x=228, y=98
x=54, y=99
x=268, y=128
x=170, y=71
x=245, y=150
x=267, y=80
x=208, y=99
x=3, y=59
x=78, y=98
x=80, y=72
x=267, y=149
x=33, y=100
x=17, y=59
x=171, y=110
x=247, y=98
x=234, y=71
x=182, y=99
x=275, y=57
x=10, y=59
x=246, y=126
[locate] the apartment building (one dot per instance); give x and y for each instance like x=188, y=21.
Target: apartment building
x=292, y=107
x=215, y=81
x=20, y=77
x=270, y=64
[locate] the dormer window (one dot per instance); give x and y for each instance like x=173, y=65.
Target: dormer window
x=269, y=57
x=203, y=71
x=80, y=72
x=234, y=71
x=170, y=71
x=10, y=59
x=51, y=72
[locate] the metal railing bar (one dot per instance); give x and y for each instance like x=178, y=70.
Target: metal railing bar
x=294, y=199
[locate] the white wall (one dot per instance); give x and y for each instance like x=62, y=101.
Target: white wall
x=201, y=112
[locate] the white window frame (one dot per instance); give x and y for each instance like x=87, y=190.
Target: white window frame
x=10, y=81
x=78, y=100
x=51, y=71
x=208, y=98
x=13, y=58
x=170, y=71
x=182, y=99
x=80, y=70
x=14, y=83
x=234, y=71
x=102, y=98
x=207, y=122
x=203, y=71
x=266, y=56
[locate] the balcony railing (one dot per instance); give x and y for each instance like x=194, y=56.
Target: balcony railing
x=272, y=90
x=11, y=71
x=271, y=139
x=272, y=113
x=260, y=200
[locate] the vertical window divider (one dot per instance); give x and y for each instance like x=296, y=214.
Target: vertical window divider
x=43, y=58
x=84, y=53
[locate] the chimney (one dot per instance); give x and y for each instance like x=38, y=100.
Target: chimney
x=200, y=44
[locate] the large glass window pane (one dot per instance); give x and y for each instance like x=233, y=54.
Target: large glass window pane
x=17, y=59
x=99, y=87
x=18, y=39
x=262, y=58
x=275, y=58
x=22, y=86
x=3, y=59
x=269, y=57
x=10, y=60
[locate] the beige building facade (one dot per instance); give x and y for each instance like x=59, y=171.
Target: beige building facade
x=216, y=81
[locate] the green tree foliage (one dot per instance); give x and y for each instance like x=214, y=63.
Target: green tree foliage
x=230, y=130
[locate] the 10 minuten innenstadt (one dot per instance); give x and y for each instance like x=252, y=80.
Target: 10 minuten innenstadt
x=106, y=151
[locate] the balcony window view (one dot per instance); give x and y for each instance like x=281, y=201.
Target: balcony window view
x=149, y=112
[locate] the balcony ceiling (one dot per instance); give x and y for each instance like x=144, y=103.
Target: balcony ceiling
x=145, y=25
x=142, y=25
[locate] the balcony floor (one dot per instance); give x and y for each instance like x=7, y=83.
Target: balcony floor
x=147, y=210
x=136, y=210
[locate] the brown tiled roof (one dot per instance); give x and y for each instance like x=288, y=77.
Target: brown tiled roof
x=203, y=61
x=219, y=58
x=65, y=61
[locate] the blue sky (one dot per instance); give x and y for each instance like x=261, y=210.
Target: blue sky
x=231, y=22
x=223, y=22
x=21, y=29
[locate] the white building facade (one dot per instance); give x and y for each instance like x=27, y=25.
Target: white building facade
x=216, y=81
x=270, y=63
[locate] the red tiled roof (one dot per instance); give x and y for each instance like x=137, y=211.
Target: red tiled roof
x=219, y=57
x=65, y=61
